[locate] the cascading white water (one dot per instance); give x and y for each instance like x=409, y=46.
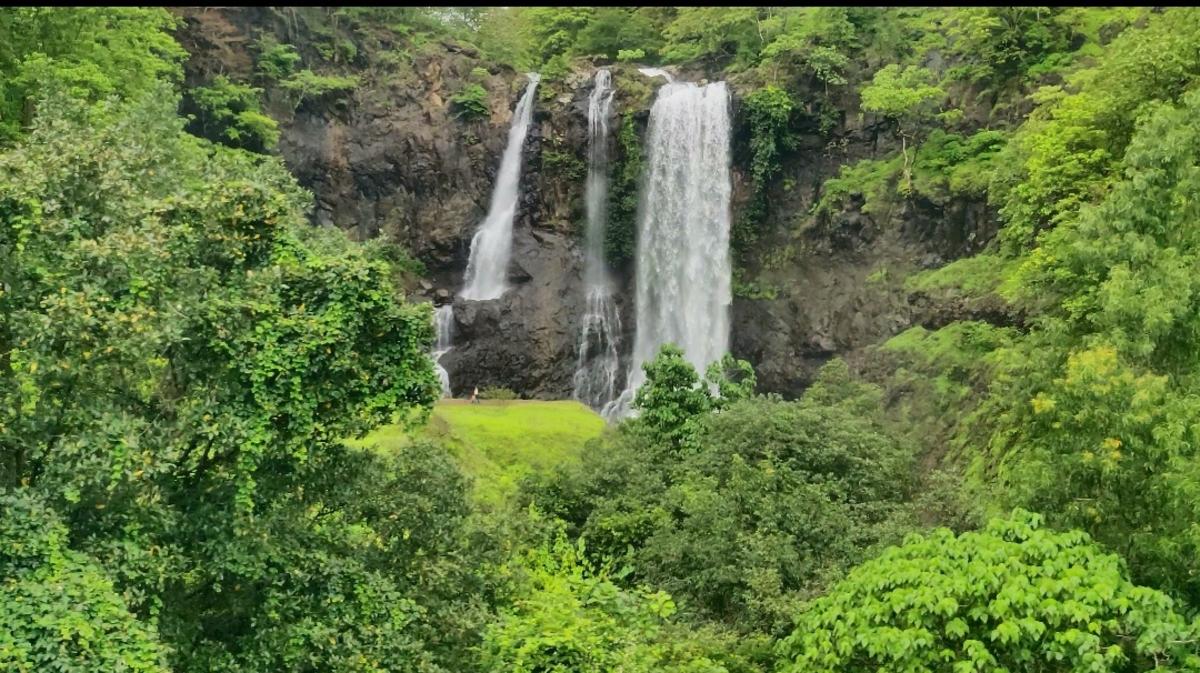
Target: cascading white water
x=443, y=324
x=683, y=269
x=599, y=361
x=491, y=247
x=657, y=72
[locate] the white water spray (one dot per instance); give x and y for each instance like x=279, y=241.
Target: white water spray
x=443, y=324
x=657, y=72
x=491, y=247
x=599, y=361
x=683, y=268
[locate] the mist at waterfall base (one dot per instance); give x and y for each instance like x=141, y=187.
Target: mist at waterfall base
x=443, y=325
x=599, y=360
x=683, y=267
x=491, y=247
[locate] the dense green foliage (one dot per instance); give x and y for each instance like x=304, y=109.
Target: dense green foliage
x=58, y=610
x=92, y=52
x=1101, y=392
x=744, y=510
x=217, y=451
x=1013, y=597
x=181, y=358
x=471, y=102
x=569, y=615
x=232, y=113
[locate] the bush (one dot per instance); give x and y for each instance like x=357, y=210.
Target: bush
x=471, y=102
x=1013, y=597
x=306, y=85
x=497, y=393
x=230, y=112
x=276, y=61
x=563, y=165
x=627, y=55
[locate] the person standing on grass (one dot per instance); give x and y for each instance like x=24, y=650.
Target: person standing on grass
x=475, y=395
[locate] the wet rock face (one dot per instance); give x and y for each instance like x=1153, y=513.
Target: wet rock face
x=391, y=160
x=524, y=340
x=839, y=278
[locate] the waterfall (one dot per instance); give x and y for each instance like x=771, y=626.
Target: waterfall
x=491, y=247
x=683, y=268
x=598, y=364
x=443, y=325
x=657, y=72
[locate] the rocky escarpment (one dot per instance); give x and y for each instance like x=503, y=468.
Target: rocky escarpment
x=829, y=282
x=392, y=159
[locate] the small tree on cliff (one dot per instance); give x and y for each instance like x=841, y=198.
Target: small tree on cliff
x=905, y=97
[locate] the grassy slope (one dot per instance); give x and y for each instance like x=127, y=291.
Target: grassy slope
x=498, y=442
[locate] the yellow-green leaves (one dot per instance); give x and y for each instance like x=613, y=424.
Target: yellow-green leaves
x=1013, y=597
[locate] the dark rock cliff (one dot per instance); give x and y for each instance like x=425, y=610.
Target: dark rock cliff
x=392, y=160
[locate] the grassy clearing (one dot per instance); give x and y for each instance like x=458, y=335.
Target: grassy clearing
x=498, y=442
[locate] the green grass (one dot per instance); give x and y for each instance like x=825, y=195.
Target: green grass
x=498, y=442
x=973, y=276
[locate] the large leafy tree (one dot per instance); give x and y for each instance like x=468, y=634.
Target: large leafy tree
x=182, y=356
x=1094, y=416
x=95, y=52
x=59, y=611
x=907, y=97
x=1014, y=597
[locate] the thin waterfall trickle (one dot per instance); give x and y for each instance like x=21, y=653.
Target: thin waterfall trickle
x=683, y=268
x=491, y=247
x=443, y=325
x=599, y=361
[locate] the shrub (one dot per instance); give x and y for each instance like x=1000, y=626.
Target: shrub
x=276, y=61
x=471, y=102
x=563, y=165
x=230, y=112
x=306, y=84
x=497, y=393
x=1013, y=597
x=627, y=55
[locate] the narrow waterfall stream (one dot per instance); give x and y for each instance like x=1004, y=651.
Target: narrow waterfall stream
x=599, y=361
x=491, y=247
x=683, y=267
x=443, y=325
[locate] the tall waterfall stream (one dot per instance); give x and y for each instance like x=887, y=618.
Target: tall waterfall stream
x=491, y=247
x=683, y=267
x=599, y=360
